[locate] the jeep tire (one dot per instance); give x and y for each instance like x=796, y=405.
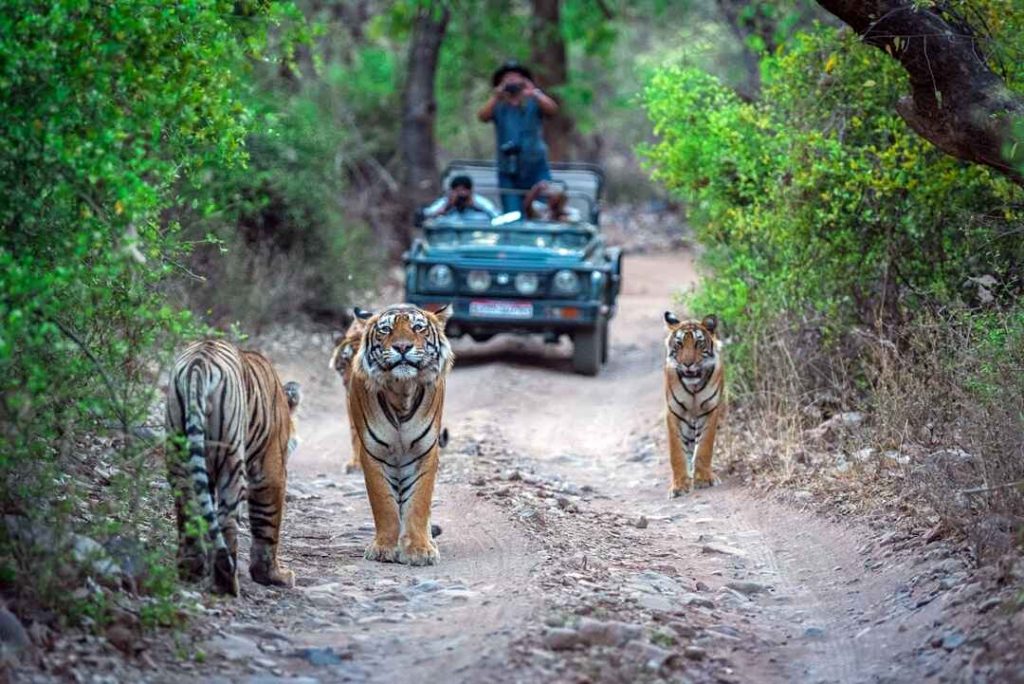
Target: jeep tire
x=586, y=351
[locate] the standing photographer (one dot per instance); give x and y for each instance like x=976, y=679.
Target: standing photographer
x=516, y=107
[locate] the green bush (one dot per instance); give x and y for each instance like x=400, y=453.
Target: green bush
x=286, y=246
x=817, y=204
x=109, y=109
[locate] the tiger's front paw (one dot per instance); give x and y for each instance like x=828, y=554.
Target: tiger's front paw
x=704, y=483
x=678, y=490
x=382, y=553
x=353, y=466
x=419, y=553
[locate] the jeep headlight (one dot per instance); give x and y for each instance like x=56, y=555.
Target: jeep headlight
x=440, y=277
x=566, y=282
x=527, y=283
x=478, y=281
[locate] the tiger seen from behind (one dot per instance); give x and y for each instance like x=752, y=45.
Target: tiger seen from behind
x=230, y=429
x=396, y=398
x=694, y=394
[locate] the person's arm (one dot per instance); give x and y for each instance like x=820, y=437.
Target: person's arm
x=548, y=107
x=485, y=205
x=486, y=112
x=440, y=206
x=530, y=198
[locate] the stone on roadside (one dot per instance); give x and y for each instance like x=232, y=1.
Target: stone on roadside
x=234, y=647
x=747, y=587
x=13, y=636
x=640, y=523
x=722, y=550
x=697, y=600
x=610, y=633
x=560, y=638
x=695, y=653
x=654, y=657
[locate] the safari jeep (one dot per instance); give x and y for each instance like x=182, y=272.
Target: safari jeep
x=510, y=275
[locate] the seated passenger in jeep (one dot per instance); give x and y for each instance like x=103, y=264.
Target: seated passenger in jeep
x=462, y=202
x=548, y=202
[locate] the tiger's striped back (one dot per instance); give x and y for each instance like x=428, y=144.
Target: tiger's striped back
x=233, y=415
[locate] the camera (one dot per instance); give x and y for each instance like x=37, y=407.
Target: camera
x=513, y=88
x=508, y=161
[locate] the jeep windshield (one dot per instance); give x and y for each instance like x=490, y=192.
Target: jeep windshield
x=535, y=234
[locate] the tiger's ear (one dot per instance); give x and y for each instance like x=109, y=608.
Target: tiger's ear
x=443, y=314
x=711, y=323
x=671, y=319
x=362, y=314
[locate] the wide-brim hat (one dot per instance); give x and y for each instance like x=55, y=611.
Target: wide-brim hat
x=511, y=66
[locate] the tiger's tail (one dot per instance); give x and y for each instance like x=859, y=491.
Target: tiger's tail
x=195, y=433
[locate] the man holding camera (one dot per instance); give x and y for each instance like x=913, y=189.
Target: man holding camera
x=462, y=202
x=516, y=107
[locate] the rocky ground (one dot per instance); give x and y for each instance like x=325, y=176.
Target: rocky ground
x=562, y=559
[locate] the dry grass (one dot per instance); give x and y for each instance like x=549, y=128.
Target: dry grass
x=929, y=423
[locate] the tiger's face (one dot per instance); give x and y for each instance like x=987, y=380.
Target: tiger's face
x=404, y=343
x=692, y=348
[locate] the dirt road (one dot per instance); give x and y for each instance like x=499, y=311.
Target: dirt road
x=562, y=558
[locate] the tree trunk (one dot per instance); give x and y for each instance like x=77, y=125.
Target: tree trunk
x=742, y=28
x=551, y=69
x=416, y=139
x=957, y=102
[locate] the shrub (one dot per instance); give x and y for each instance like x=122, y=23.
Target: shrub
x=108, y=109
x=818, y=204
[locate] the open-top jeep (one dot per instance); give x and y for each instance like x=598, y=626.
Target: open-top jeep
x=512, y=275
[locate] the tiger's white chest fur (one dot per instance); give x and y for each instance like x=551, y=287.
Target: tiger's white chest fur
x=692, y=405
x=399, y=435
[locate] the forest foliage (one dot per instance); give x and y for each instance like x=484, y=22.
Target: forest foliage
x=170, y=169
x=853, y=262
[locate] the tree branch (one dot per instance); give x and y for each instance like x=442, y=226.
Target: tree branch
x=957, y=102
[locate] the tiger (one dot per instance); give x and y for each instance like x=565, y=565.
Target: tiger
x=345, y=348
x=694, y=394
x=396, y=398
x=230, y=429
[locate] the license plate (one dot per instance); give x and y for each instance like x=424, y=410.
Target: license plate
x=500, y=308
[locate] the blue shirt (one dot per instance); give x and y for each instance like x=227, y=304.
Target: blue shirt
x=520, y=124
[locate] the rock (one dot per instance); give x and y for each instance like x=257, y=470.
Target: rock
x=90, y=554
x=721, y=549
x=695, y=653
x=122, y=638
x=259, y=631
x=953, y=640
x=697, y=600
x=814, y=632
x=700, y=586
x=640, y=523
x=988, y=604
x=654, y=657
x=611, y=633
x=567, y=505
x=13, y=636
x=747, y=587
x=321, y=657
x=682, y=629
x=655, y=602
x=864, y=454
x=234, y=647
x=560, y=638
